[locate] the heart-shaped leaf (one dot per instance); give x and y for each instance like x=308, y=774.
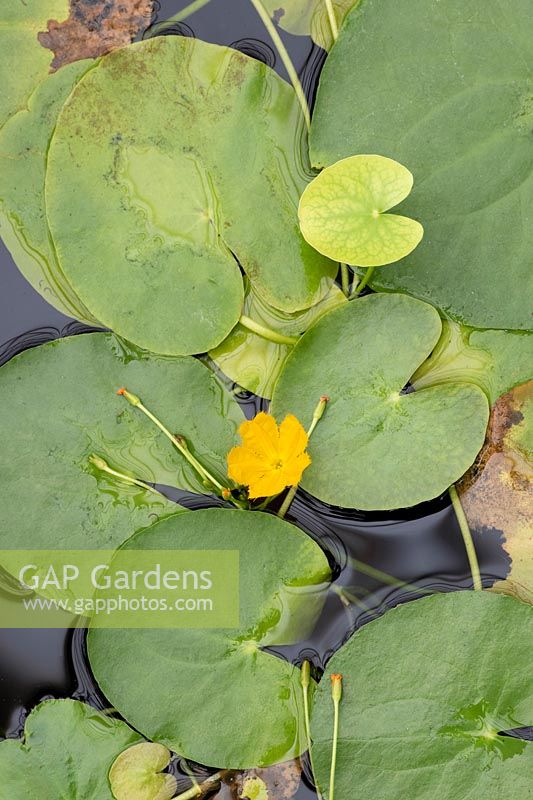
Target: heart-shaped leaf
x=342, y=212
x=378, y=447
x=494, y=360
x=496, y=493
x=428, y=689
x=24, y=143
x=161, y=219
x=67, y=751
x=255, y=362
x=59, y=406
x=199, y=691
x=137, y=773
x=444, y=87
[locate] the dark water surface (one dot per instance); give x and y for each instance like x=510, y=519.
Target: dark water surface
x=421, y=546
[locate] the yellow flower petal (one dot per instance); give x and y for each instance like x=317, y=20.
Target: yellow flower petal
x=261, y=435
x=292, y=437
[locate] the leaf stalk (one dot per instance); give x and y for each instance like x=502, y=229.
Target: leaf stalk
x=467, y=538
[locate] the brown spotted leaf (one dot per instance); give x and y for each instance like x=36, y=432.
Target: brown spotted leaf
x=94, y=28
x=281, y=782
x=497, y=493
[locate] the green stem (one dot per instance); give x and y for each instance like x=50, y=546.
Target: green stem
x=305, y=679
x=200, y=789
x=336, y=694
x=358, y=288
x=102, y=465
x=384, y=577
x=267, y=333
x=467, y=538
x=282, y=50
x=179, y=16
x=332, y=20
x=317, y=416
x=178, y=441
x=345, y=280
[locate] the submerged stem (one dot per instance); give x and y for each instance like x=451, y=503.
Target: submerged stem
x=336, y=694
x=178, y=17
x=332, y=20
x=179, y=442
x=102, y=465
x=467, y=538
x=200, y=789
x=317, y=416
x=267, y=333
x=282, y=50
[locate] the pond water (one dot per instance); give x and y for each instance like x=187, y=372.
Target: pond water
x=379, y=559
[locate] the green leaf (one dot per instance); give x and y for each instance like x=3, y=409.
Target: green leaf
x=137, y=774
x=496, y=493
x=199, y=691
x=427, y=690
x=59, y=406
x=493, y=360
x=446, y=89
x=24, y=142
x=158, y=218
x=20, y=25
x=67, y=751
x=342, y=212
x=376, y=447
x=255, y=362
x=310, y=17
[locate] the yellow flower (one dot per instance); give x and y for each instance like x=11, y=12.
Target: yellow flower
x=270, y=457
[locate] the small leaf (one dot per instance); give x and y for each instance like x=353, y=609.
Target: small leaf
x=67, y=751
x=310, y=17
x=429, y=690
x=342, y=212
x=496, y=493
x=137, y=774
x=281, y=781
x=254, y=789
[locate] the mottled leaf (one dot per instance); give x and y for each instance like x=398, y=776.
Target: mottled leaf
x=342, y=212
x=493, y=360
x=428, y=690
x=59, y=406
x=255, y=362
x=146, y=224
x=497, y=492
x=199, y=691
x=377, y=446
x=67, y=751
x=444, y=87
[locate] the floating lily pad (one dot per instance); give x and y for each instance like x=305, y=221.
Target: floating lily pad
x=496, y=493
x=376, y=446
x=24, y=142
x=67, y=751
x=137, y=773
x=59, y=406
x=494, y=360
x=342, y=212
x=445, y=88
x=310, y=17
x=146, y=224
x=199, y=691
x=255, y=362
x=428, y=689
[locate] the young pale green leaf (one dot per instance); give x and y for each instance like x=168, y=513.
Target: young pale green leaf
x=446, y=89
x=160, y=219
x=24, y=143
x=253, y=361
x=137, y=773
x=428, y=690
x=310, y=17
x=493, y=360
x=67, y=751
x=496, y=493
x=342, y=212
x=197, y=691
x=378, y=447
x=59, y=406
x=254, y=789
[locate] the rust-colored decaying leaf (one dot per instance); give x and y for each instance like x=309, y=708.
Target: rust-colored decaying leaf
x=281, y=781
x=497, y=493
x=94, y=28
